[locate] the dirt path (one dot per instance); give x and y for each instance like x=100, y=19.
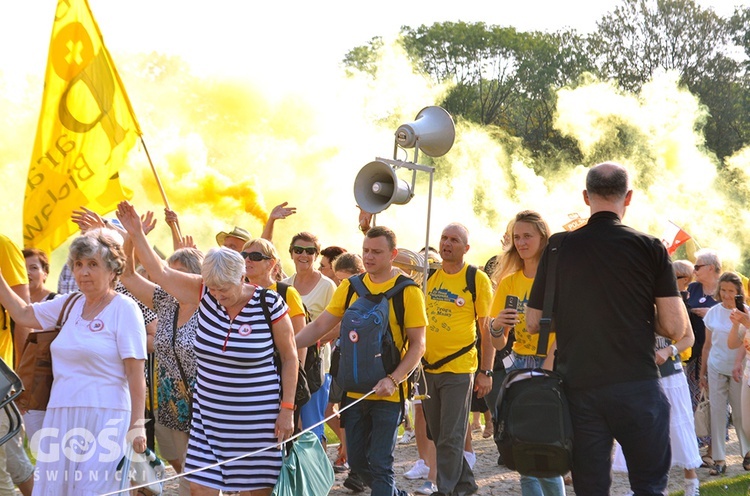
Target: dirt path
x=497, y=481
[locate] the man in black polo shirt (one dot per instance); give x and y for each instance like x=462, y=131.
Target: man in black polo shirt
x=610, y=280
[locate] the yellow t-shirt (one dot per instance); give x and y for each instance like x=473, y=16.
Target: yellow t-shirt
x=13, y=266
x=452, y=319
x=414, y=316
x=293, y=300
x=519, y=285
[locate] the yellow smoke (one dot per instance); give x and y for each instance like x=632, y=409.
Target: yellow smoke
x=228, y=150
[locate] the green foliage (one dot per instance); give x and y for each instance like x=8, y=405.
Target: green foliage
x=508, y=79
x=364, y=58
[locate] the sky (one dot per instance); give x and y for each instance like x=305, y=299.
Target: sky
x=274, y=69
x=283, y=43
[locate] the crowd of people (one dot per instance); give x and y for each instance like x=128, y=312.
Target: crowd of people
x=200, y=353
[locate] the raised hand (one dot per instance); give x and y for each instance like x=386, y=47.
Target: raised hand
x=170, y=217
x=282, y=211
x=148, y=222
x=186, y=242
x=87, y=219
x=129, y=218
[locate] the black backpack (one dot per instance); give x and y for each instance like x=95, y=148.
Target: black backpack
x=313, y=360
x=533, y=431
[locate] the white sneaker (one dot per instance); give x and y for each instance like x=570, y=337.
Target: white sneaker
x=471, y=458
x=692, y=488
x=427, y=488
x=407, y=437
x=419, y=471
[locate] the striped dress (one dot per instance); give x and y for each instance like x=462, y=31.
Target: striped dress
x=237, y=396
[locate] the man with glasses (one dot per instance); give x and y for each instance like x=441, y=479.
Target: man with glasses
x=615, y=288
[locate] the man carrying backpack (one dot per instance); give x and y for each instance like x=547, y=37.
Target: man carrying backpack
x=372, y=424
x=614, y=289
x=457, y=295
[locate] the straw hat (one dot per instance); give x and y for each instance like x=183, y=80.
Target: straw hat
x=237, y=232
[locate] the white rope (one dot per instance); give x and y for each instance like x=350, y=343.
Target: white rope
x=277, y=445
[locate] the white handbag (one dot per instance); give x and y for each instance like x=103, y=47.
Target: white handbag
x=142, y=468
x=703, y=416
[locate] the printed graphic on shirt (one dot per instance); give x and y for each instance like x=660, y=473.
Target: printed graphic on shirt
x=437, y=312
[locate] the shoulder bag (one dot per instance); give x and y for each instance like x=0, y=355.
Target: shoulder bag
x=35, y=368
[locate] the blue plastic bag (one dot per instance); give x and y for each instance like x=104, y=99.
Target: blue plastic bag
x=306, y=469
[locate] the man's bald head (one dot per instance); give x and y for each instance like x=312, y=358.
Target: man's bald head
x=608, y=181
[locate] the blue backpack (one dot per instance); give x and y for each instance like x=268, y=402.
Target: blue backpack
x=368, y=352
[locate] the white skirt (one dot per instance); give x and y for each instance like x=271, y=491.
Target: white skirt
x=685, y=452
x=78, y=451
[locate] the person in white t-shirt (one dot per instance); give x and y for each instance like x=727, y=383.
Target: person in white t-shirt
x=316, y=291
x=721, y=370
x=99, y=390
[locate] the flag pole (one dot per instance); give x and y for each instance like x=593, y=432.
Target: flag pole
x=158, y=183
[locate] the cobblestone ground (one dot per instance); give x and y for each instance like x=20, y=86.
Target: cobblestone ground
x=497, y=481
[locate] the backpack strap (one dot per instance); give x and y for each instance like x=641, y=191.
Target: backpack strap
x=266, y=312
x=471, y=282
x=396, y=294
x=281, y=288
x=432, y=366
x=357, y=284
x=545, y=324
x=471, y=287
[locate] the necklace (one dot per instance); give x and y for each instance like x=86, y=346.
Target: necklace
x=95, y=311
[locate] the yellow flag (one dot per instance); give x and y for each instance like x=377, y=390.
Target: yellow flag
x=86, y=128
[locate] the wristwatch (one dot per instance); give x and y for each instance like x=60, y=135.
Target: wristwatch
x=488, y=373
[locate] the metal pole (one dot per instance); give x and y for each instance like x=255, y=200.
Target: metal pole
x=427, y=237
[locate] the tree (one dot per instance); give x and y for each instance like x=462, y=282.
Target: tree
x=364, y=58
x=481, y=61
x=642, y=36
x=502, y=77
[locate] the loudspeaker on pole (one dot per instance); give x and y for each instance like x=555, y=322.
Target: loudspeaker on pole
x=376, y=187
x=432, y=131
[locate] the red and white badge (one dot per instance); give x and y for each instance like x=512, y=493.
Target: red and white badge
x=96, y=325
x=460, y=302
x=353, y=336
x=245, y=330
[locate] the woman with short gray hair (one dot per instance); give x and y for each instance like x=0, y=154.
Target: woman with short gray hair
x=98, y=365
x=241, y=400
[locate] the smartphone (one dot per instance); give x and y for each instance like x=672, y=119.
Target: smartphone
x=511, y=302
x=739, y=302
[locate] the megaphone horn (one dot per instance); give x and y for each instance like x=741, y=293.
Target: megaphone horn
x=433, y=132
x=376, y=187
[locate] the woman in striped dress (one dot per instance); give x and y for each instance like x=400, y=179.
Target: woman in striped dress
x=242, y=403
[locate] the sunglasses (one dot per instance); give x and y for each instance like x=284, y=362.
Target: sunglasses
x=310, y=250
x=255, y=256
x=697, y=267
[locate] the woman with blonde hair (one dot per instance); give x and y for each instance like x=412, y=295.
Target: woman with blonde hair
x=261, y=260
x=514, y=276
